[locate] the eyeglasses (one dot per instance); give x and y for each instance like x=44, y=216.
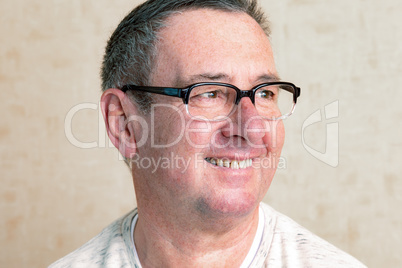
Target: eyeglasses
x=216, y=101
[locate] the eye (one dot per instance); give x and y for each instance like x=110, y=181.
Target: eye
x=265, y=94
x=210, y=94
x=207, y=93
x=213, y=94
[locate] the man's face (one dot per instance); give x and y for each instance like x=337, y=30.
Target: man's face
x=179, y=164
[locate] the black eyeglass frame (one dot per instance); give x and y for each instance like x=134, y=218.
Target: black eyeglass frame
x=184, y=93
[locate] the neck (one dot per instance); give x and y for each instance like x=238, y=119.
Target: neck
x=163, y=242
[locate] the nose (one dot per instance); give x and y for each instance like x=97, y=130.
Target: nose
x=247, y=123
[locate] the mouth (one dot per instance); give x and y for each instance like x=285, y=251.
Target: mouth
x=232, y=164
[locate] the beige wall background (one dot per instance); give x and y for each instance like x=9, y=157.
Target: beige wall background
x=55, y=194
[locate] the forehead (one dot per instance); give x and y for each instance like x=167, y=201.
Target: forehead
x=210, y=41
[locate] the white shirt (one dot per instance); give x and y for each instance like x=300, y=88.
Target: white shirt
x=284, y=243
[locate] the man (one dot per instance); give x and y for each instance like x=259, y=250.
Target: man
x=193, y=102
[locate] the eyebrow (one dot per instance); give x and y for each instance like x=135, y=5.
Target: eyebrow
x=269, y=78
x=203, y=77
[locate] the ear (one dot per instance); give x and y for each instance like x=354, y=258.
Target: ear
x=116, y=109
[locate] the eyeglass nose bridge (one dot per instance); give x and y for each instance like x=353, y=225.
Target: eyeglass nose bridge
x=245, y=93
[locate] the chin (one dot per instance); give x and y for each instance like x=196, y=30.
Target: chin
x=228, y=205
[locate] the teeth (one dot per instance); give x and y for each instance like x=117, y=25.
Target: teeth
x=226, y=163
x=233, y=164
x=242, y=164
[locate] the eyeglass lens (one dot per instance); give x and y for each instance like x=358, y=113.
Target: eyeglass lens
x=214, y=102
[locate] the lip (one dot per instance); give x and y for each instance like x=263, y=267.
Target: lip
x=232, y=177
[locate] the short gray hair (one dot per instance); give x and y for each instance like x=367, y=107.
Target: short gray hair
x=131, y=50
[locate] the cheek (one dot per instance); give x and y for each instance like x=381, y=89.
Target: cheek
x=275, y=136
x=167, y=126
x=198, y=134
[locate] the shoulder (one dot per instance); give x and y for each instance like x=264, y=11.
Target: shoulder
x=294, y=246
x=111, y=247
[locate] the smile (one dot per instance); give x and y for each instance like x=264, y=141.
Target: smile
x=233, y=164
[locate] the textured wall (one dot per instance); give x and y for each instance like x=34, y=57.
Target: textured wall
x=345, y=55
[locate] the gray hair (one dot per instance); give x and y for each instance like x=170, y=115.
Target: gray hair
x=131, y=50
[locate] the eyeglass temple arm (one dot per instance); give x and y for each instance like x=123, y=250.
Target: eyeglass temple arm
x=167, y=91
